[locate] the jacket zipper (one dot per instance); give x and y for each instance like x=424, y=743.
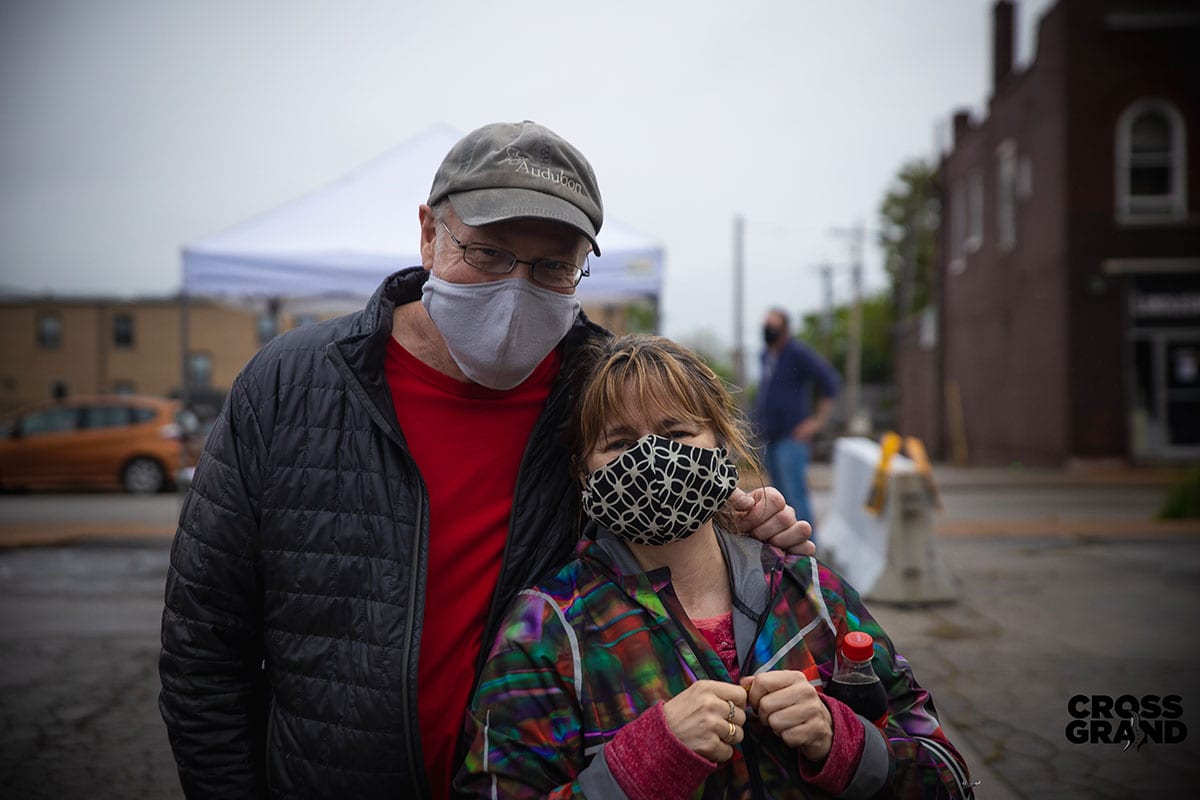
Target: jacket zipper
x=750, y=751
x=415, y=764
x=749, y=748
x=762, y=619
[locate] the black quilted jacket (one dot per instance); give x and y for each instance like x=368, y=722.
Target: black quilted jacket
x=295, y=592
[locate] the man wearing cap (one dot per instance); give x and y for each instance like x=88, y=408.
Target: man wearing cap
x=377, y=489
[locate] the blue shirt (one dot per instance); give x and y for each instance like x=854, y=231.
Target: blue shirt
x=785, y=394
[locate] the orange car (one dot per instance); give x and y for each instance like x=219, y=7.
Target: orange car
x=139, y=443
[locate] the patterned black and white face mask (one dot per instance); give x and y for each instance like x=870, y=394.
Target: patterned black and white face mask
x=659, y=490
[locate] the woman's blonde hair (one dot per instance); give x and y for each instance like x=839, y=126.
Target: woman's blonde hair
x=626, y=374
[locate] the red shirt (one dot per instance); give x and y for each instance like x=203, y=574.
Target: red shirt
x=467, y=441
x=718, y=631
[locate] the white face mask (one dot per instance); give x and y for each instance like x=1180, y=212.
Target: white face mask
x=499, y=331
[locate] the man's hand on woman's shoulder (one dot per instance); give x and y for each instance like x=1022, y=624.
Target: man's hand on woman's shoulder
x=765, y=515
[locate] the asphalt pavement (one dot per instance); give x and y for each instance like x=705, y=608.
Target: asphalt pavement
x=78, y=672
x=1066, y=587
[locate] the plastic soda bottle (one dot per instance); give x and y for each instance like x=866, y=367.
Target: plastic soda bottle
x=854, y=680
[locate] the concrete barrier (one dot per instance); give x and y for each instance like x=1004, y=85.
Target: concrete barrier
x=888, y=552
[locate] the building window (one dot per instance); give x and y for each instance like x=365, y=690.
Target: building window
x=1006, y=195
x=49, y=331
x=958, y=227
x=1151, y=163
x=1024, y=178
x=59, y=389
x=200, y=368
x=123, y=330
x=974, y=210
x=124, y=387
x=267, y=325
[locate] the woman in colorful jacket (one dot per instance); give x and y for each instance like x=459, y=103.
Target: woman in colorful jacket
x=672, y=659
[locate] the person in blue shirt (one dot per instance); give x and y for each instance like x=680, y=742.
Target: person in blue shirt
x=786, y=417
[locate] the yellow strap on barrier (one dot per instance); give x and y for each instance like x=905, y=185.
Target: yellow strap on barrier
x=915, y=449
x=889, y=445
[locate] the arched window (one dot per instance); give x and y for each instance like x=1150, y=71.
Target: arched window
x=1006, y=195
x=1151, y=163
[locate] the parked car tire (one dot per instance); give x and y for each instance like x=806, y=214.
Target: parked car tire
x=143, y=476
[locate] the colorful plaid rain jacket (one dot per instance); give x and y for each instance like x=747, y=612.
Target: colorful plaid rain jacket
x=592, y=648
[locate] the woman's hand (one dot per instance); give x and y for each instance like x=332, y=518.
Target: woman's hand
x=789, y=705
x=708, y=717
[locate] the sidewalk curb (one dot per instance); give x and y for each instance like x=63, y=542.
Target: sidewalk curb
x=37, y=534
x=1054, y=526
x=950, y=478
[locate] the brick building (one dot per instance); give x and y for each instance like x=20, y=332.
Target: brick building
x=58, y=346
x=1068, y=322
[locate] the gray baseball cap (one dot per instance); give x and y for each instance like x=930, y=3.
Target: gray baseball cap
x=515, y=170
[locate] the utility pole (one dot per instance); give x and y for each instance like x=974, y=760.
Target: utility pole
x=739, y=351
x=856, y=424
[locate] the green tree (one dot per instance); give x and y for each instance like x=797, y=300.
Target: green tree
x=877, y=350
x=909, y=217
x=641, y=317
x=710, y=349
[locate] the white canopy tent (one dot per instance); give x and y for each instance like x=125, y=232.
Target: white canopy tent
x=331, y=248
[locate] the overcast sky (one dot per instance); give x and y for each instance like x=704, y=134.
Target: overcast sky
x=129, y=127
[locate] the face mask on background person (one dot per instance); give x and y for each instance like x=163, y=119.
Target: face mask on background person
x=771, y=335
x=499, y=331
x=659, y=490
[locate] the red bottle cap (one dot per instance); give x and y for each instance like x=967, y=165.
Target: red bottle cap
x=858, y=646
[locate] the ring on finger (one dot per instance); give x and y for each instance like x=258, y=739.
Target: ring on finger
x=729, y=737
x=731, y=709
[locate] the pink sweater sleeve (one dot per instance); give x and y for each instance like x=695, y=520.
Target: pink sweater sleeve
x=650, y=763
x=849, y=738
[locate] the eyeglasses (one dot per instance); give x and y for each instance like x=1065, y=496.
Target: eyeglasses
x=544, y=272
